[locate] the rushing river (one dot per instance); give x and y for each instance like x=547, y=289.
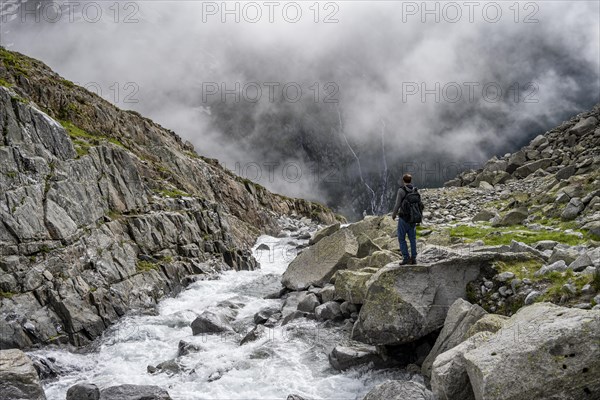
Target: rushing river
x=288, y=360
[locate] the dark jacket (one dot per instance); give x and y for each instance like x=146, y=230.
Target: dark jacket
x=400, y=196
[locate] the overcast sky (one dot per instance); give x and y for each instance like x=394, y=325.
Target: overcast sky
x=373, y=58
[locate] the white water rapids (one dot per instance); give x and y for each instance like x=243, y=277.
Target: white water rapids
x=289, y=360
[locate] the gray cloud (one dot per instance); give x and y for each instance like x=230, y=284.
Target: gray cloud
x=370, y=54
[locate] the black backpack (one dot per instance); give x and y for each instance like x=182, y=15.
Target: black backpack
x=411, y=206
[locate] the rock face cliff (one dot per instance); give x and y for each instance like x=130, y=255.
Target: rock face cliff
x=103, y=211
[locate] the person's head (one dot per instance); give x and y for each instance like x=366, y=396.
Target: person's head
x=407, y=178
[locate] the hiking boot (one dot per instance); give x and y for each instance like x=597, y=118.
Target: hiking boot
x=405, y=261
x=413, y=261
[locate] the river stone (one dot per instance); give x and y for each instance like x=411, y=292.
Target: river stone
x=210, y=322
x=134, y=392
x=185, y=348
x=352, y=285
x=461, y=317
x=309, y=303
x=405, y=303
x=329, y=311
x=555, y=355
x=83, y=391
x=317, y=264
x=449, y=377
x=399, y=390
x=18, y=378
x=327, y=231
x=353, y=354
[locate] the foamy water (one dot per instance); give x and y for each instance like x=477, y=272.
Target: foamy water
x=287, y=360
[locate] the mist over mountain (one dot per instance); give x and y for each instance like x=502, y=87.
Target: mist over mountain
x=432, y=97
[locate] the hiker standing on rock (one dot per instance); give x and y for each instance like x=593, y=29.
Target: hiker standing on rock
x=409, y=208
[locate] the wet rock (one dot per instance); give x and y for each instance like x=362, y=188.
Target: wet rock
x=327, y=293
x=353, y=354
x=169, y=367
x=83, y=391
x=185, y=348
x=400, y=390
x=317, y=264
x=309, y=303
x=18, y=377
x=134, y=392
x=210, y=322
x=329, y=311
x=254, y=334
x=264, y=314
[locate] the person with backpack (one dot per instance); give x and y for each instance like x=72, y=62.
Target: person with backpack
x=409, y=208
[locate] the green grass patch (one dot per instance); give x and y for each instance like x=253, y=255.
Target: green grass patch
x=67, y=83
x=558, y=279
x=15, y=62
x=5, y=83
x=172, y=193
x=144, y=266
x=521, y=269
x=6, y=295
x=494, y=236
x=84, y=140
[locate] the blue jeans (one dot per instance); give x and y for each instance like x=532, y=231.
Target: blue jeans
x=404, y=228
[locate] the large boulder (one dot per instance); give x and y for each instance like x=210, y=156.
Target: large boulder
x=513, y=217
x=18, y=378
x=531, y=167
x=317, y=264
x=352, y=285
x=462, y=315
x=353, y=354
x=551, y=352
x=327, y=231
x=83, y=391
x=405, y=303
x=399, y=390
x=585, y=125
x=572, y=210
x=449, y=377
x=329, y=311
x=210, y=322
x=134, y=392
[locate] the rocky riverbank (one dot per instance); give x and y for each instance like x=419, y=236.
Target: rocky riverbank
x=104, y=211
